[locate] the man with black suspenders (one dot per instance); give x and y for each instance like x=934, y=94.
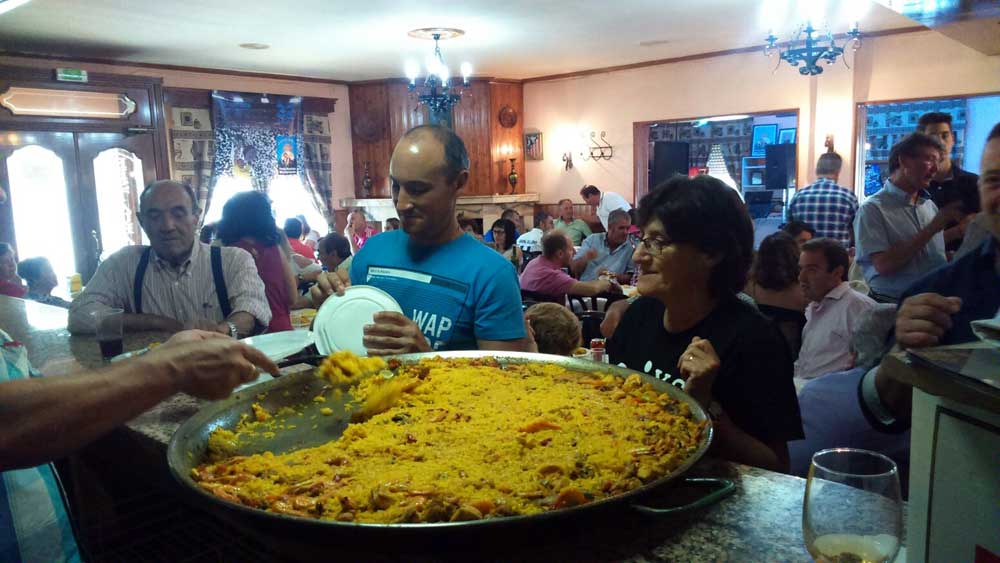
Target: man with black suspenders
x=177, y=282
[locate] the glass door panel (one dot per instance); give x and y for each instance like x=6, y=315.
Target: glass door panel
x=39, y=172
x=114, y=169
x=119, y=181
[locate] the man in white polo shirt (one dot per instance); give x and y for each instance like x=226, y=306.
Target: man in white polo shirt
x=833, y=312
x=605, y=202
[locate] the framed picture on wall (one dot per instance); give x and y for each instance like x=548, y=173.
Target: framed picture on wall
x=763, y=135
x=786, y=137
x=533, y=146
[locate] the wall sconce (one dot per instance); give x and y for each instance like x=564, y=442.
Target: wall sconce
x=828, y=143
x=366, y=180
x=512, y=177
x=568, y=159
x=600, y=150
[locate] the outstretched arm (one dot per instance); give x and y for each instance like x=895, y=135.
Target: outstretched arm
x=56, y=415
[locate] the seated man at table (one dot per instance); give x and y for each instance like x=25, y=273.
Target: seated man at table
x=335, y=252
x=937, y=309
x=455, y=293
x=531, y=241
x=59, y=414
x=833, y=312
x=544, y=275
x=608, y=252
x=177, y=282
x=576, y=229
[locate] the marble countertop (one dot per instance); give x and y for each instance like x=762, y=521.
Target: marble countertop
x=942, y=380
x=760, y=521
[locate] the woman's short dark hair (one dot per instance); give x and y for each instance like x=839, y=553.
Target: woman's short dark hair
x=777, y=264
x=508, y=228
x=248, y=214
x=704, y=212
x=31, y=269
x=293, y=228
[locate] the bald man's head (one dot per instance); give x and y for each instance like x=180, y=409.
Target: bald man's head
x=453, y=153
x=429, y=167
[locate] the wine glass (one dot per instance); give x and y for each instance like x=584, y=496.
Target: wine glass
x=852, y=511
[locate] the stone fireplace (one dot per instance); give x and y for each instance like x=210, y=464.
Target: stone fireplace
x=484, y=207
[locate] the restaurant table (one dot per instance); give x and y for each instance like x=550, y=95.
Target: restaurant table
x=760, y=521
x=954, y=452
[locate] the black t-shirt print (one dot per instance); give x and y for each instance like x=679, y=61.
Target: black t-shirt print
x=754, y=385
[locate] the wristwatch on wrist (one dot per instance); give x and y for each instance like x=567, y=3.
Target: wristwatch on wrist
x=233, y=331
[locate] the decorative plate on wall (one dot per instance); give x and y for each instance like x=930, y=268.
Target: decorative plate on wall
x=366, y=129
x=507, y=117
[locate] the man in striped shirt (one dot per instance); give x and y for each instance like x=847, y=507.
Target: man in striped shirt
x=171, y=285
x=825, y=206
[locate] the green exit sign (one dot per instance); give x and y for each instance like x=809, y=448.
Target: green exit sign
x=71, y=75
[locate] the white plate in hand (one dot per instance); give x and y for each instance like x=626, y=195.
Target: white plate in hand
x=279, y=345
x=340, y=321
x=276, y=346
x=988, y=330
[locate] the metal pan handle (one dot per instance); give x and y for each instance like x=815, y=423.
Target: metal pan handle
x=721, y=488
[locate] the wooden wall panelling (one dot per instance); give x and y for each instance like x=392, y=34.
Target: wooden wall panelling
x=504, y=94
x=370, y=138
x=640, y=163
x=472, y=123
x=404, y=111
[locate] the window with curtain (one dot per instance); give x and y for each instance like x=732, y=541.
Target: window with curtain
x=288, y=199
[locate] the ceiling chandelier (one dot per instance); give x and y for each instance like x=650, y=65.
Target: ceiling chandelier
x=810, y=50
x=436, y=91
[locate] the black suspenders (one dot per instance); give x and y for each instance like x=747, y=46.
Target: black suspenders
x=220, y=281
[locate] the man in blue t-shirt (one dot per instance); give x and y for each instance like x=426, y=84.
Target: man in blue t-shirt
x=455, y=293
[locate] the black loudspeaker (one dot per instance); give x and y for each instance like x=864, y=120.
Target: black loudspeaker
x=669, y=158
x=779, y=162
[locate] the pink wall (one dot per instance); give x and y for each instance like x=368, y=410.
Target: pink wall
x=912, y=65
x=341, y=163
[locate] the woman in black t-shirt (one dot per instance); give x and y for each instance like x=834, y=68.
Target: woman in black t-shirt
x=690, y=328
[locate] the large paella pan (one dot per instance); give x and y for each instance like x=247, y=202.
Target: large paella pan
x=303, y=411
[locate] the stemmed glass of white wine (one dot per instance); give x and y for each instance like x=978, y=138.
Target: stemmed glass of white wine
x=852, y=512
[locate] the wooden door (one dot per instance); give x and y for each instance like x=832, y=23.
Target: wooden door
x=114, y=168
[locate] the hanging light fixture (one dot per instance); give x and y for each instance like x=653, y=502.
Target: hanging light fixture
x=808, y=51
x=436, y=90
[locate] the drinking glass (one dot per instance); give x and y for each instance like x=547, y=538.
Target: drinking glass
x=852, y=511
x=108, y=329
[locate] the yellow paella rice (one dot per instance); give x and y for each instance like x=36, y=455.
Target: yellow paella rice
x=468, y=439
